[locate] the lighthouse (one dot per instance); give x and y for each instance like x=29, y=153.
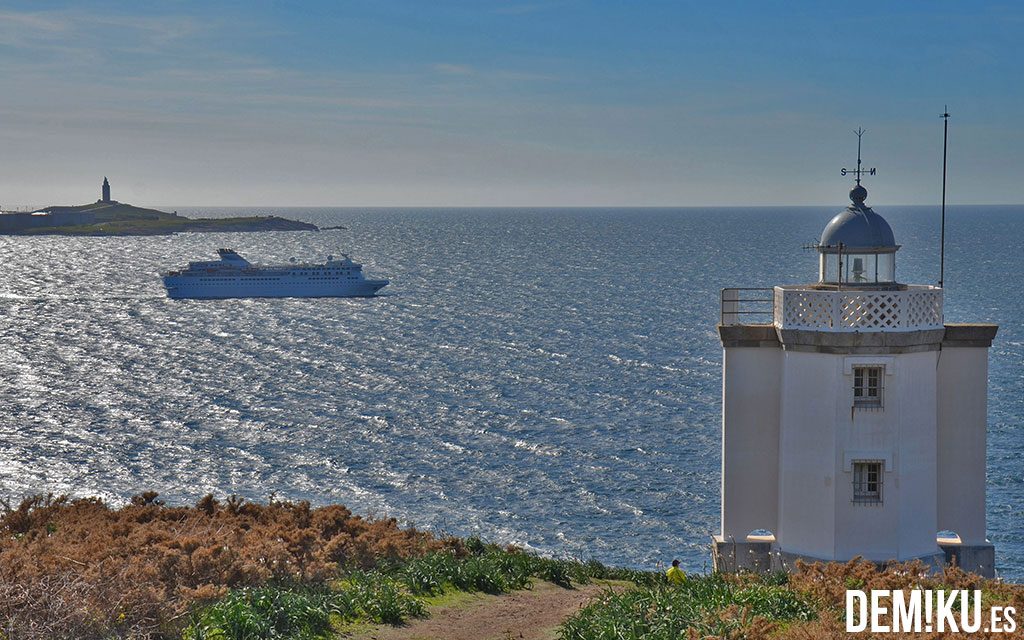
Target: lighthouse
x=105, y=191
x=853, y=416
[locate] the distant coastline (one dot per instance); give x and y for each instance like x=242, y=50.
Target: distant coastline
x=108, y=217
x=114, y=218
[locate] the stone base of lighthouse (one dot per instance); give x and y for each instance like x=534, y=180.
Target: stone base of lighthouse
x=975, y=558
x=731, y=556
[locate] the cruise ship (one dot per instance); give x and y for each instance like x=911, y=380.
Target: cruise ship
x=235, y=277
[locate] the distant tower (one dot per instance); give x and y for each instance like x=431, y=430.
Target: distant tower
x=106, y=190
x=854, y=423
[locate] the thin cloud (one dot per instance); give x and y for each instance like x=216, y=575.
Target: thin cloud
x=525, y=76
x=525, y=8
x=36, y=21
x=30, y=30
x=464, y=70
x=71, y=29
x=453, y=69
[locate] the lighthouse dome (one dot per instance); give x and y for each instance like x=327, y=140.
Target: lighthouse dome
x=858, y=246
x=859, y=228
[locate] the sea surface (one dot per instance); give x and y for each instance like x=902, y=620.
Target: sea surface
x=544, y=377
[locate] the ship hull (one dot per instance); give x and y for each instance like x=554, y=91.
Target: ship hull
x=195, y=288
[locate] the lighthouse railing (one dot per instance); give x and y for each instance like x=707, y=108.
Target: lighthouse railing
x=914, y=308
x=747, y=305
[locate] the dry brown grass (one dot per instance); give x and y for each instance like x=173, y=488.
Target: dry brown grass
x=826, y=584
x=79, y=569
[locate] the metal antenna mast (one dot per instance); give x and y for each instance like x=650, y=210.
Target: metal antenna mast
x=860, y=134
x=859, y=171
x=942, y=233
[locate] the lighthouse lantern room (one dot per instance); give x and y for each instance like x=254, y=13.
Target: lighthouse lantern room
x=853, y=418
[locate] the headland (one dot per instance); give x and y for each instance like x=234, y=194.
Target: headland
x=107, y=217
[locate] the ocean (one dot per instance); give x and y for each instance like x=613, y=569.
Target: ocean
x=544, y=377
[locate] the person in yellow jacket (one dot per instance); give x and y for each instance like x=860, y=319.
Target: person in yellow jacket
x=674, y=574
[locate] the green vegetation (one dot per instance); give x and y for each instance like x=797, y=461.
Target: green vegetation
x=393, y=593
x=708, y=606
x=267, y=612
x=303, y=613
x=808, y=604
x=231, y=569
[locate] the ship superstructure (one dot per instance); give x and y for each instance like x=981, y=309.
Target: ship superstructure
x=235, y=277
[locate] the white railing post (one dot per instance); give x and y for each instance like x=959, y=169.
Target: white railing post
x=779, y=307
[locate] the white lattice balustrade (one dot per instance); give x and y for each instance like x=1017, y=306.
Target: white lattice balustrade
x=914, y=308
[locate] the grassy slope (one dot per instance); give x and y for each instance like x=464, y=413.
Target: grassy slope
x=532, y=614
x=808, y=605
x=398, y=593
x=107, y=211
x=237, y=570
x=78, y=568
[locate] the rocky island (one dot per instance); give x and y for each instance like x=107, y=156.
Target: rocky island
x=107, y=217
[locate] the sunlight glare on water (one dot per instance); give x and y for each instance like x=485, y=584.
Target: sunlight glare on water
x=549, y=378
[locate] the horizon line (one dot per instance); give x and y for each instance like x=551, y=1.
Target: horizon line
x=25, y=208
x=586, y=206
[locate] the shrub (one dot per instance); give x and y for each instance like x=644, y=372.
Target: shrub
x=475, y=545
x=79, y=569
x=377, y=598
x=558, y=571
x=264, y=613
x=707, y=606
x=428, y=575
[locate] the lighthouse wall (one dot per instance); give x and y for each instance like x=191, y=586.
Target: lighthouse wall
x=792, y=435
x=750, y=430
x=823, y=436
x=902, y=434
x=807, y=495
x=963, y=418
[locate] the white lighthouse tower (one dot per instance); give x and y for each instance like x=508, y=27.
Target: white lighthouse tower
x=853, y=424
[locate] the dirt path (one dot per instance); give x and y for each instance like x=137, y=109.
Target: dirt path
x=522, y=615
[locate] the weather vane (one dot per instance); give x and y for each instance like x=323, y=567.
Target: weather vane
x=858, y=171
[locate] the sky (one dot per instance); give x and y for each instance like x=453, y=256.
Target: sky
x=507, y=102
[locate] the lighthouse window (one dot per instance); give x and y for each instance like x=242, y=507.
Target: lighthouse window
x=867, y=386
x=867, y=482
x=858, y=268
